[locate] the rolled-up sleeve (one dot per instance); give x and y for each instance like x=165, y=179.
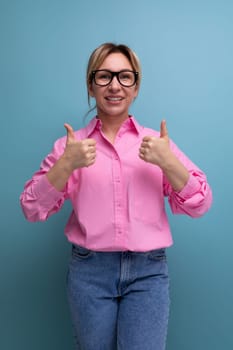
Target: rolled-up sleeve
x=39, y=198
x=195, y=198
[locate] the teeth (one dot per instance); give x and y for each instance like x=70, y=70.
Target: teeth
x=114, y=98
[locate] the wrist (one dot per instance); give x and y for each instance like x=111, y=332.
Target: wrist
x=65, y=164
x=168, y=162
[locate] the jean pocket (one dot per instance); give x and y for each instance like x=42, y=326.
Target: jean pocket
x=158, y=255
x=81, y=252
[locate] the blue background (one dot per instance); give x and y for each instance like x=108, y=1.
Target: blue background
x=186, y=51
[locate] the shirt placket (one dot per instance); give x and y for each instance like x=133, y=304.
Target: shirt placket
x=118, y=200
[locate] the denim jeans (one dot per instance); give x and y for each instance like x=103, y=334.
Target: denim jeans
x=118, y=300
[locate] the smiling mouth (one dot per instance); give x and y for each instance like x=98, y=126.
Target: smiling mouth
x=114, y=99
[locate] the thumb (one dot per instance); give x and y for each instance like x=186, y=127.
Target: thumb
x=163, y=129
x=70, y=132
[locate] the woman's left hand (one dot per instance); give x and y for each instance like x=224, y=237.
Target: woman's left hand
x=156, y=150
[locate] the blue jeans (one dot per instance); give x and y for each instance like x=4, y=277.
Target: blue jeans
x=118, y=300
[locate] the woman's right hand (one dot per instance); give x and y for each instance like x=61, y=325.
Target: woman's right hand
x=77, y=153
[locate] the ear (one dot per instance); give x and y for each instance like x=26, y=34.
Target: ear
x=90, y=90
x=136, y=92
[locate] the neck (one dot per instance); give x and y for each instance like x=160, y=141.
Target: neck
x=111, y=125
x=112, y=122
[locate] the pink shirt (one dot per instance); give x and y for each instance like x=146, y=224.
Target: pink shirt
x=118, y=202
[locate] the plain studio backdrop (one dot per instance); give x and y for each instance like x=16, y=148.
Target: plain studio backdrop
x=186, y=51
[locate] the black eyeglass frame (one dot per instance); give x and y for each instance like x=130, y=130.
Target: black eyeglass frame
x=115, y=74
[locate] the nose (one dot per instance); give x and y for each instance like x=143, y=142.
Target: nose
x=114, y=83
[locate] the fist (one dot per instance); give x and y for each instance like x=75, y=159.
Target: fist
x=79, y=153
x=155, y=149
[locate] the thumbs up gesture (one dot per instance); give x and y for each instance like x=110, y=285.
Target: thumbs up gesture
x=155, y=150
x=79, y=153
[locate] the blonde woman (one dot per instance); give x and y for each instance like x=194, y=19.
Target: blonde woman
x=116, y=173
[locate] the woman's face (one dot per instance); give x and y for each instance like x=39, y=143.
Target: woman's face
x=114, y=99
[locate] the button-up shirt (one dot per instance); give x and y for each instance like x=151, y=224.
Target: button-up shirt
x=119, y=201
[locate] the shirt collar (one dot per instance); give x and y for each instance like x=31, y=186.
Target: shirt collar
x=94, y=124
x=130, y=124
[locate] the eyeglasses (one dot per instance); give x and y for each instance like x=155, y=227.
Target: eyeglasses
x=104, y=77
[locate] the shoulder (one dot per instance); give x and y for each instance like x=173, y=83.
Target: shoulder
x=143, y=130
x=149, y=132
x=79, y=133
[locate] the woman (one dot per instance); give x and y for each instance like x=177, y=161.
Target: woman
x=116, y=174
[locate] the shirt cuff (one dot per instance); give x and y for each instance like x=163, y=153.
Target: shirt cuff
x=192, y=187
x=44, y=189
